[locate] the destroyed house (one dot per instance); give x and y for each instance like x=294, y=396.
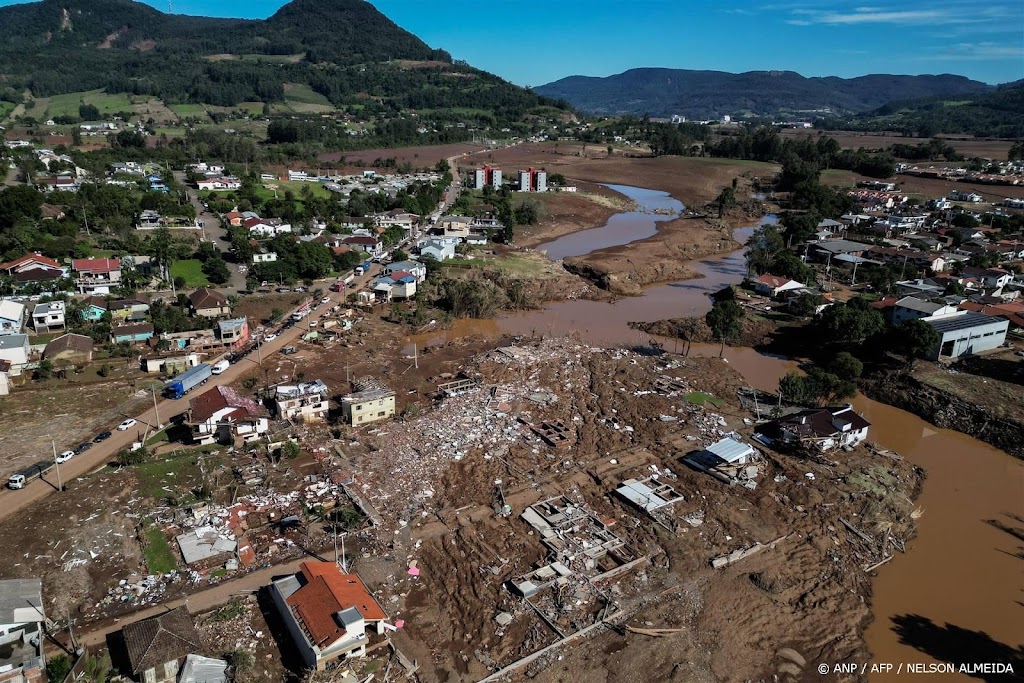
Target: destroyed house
x=729, y=460
x=156, y=647
x=306, y=401
x=222, y=414
x=326, y=612
x=21, y=629
x=369, y=405
x=822, y=428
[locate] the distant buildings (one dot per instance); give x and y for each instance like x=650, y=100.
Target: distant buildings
x=533, y=180
x=488, y=175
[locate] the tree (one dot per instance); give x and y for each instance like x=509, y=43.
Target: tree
x=806, y=305
x=818, y=386
x=290, y=450
x=916, y=339
x=216, y=270
x=58, y=668
x=399, y=255
x=849, y=323
x=726, y=200
x=44, y=370
x=724, y=320
x=844, y=364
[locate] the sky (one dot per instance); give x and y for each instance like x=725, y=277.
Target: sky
x=531, y=42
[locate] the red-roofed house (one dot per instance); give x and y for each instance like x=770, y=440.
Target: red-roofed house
x=33, y=268
x=774, y=285
x=371, y=245
x=221, y=414
x=327, y=612
x=97, y=275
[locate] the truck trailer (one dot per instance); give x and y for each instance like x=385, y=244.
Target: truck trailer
x=22, y=477
x=188, y=380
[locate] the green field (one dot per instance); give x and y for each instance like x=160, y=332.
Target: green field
x=295, y=186
x=159, y=556
x=190, y=270
x=6, y=108
x=188, y=109
x=301, y=98
x=67, y=104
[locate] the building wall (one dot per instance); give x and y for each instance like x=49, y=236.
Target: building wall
x=306, y=651
x=358, y=414
x=973, y=340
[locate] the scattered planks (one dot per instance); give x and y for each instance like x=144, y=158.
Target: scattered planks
x=655, y=632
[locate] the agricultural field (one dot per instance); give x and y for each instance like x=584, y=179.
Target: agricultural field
x=67, y=104
x=302, y=99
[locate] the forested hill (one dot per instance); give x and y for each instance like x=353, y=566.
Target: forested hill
x=999, y=113
x=712, y=94
x=342, y=49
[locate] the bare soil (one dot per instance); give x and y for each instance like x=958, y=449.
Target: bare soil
x=417, y=156
x=692, y=180
x=562, y=213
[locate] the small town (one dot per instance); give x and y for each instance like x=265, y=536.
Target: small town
x=328, y=355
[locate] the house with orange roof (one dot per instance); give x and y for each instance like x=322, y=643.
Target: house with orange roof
x=327, y=613
x=222, y=414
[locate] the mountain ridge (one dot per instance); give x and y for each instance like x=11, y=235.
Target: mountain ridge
x=704, y=94
x=345, y=50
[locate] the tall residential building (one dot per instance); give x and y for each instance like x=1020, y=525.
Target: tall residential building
x=533, y=181
x=488, y=175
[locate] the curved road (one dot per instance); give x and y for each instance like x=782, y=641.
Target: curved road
x=12, y=502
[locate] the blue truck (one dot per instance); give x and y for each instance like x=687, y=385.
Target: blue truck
x=188, y=380
x=363, y=268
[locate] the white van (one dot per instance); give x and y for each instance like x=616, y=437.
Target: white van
x=220, y=367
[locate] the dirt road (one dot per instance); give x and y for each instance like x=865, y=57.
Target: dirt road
x=197, y=602
x=12, y=502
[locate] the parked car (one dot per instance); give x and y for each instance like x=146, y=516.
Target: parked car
x=102, y=436
x=65, y=456
x=82, y=447
x=126, y=425
x=325, y=300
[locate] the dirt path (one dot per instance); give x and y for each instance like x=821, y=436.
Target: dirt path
x=197, y=602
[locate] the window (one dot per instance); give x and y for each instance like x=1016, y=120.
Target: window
x=380, y=414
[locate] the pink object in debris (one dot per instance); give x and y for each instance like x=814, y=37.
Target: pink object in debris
x=400, y=623
x=414, y=571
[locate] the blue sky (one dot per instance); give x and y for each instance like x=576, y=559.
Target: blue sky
x=533, y=42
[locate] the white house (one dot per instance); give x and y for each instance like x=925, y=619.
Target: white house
x=14, y=348
x=267, y=227
x=823, y=428
x=21, y=629
x=219, y=183
x=12, y=317
x=221, y=414
x=268, y=257
x=417, y=269
x=327, y=613
x=439, y=248
x=306, y=401
x=774, y=285
x=910, y=307
x=48, y=316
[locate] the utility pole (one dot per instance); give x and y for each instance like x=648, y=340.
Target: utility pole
x=156, y=410
x=60, y=484
x=757, y=407
x=415, y=356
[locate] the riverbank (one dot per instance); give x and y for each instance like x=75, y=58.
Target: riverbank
x=984, y=408
x=565, y=213
x=665, y=257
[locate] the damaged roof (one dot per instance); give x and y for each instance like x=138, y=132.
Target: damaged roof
x=163, y=638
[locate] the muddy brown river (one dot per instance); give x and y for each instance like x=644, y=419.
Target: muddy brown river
x=957, y=594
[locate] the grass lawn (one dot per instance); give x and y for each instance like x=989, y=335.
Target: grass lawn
x=6, y=108
x=159, y=557
x=190, y=270
x=700, y=398
x=188, y=109
x=300, y=92
x=67, y=104
x=264, y=192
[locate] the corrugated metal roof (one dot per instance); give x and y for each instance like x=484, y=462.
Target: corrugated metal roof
x=641, y=495
x=730, y=450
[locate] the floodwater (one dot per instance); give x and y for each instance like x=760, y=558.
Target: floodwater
x=653, y=207
x=956, y=596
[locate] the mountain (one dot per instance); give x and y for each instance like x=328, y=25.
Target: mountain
x=712, y=94
x=996, y=113
x=344, y=50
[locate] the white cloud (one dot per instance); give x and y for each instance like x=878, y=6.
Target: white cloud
x=963, y=13
x=985, y=51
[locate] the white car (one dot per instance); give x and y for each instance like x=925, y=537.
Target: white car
x=270, y=338
x=65, y=456
x=126, y=425
x=325, y=300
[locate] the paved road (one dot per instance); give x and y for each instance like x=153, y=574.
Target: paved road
x=12, y=502
x=213, y=231
x=202, y=601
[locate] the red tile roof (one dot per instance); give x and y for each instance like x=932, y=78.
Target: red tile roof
x=95, y=265
x=204, y=406
x=328, y=591
x=773, y=281
x=29, y=260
